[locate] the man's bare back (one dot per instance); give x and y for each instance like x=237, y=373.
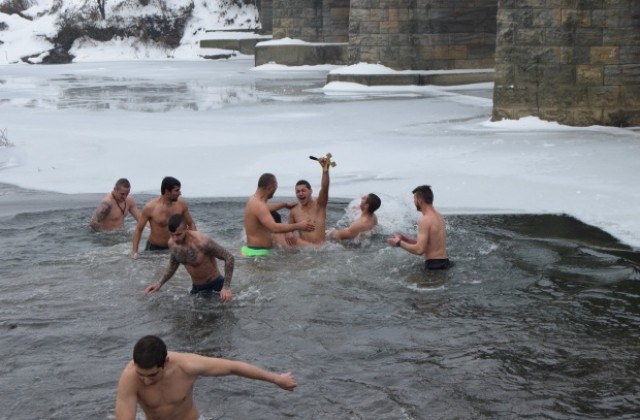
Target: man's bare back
x=258, y=233
x=431, y=242
x=433, y=224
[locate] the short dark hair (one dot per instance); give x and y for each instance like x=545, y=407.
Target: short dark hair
x=175, y=221
x=150, y=351
x=424, y=192
x=374, y=202
x=303, y=182
x=266, y=180
x=122, y=183
x=168, y=183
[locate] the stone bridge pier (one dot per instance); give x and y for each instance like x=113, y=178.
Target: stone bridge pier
x=576, y=62
x=572, y=61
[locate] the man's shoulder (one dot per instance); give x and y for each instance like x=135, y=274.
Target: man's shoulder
x=129, y=373
x=369, y=220
x=153, y=202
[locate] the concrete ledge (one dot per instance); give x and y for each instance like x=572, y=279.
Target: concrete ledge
x=228, y=41
x=446, y=78
x=245, y=45
x=301, y=54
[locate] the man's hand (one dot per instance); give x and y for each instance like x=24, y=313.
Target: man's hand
x=286, y=381
x=152, y=288
x=307, y=226
x=393, y=240
x=225, y=294
x=291, y=239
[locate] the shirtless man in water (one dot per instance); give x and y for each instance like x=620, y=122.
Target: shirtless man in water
x=312, y=209
x=259, y=223
x=162, y=382
x=431, y=242
x=363, y=224
x=198, y=253
x=114, y=207
x=157, y=213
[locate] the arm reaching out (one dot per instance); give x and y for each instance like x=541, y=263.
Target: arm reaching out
x=211, y=366
x=168, y=273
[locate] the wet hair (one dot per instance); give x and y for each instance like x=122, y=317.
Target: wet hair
x=168, y=184
x=122, y=183
x=276, y=216
x=150, y=351
x=266, y=180
x=424, y=193
x=303, y=182
x=175, y=221
x=374, y=202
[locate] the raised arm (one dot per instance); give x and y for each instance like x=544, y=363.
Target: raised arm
x=168, y=273
x=323, y=195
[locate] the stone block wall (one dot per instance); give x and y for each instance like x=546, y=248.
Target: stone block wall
x=423, y=34
x=265, y=8
x=311, y=20
x=572, y=61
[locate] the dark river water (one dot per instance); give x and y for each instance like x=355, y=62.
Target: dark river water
x=539, y=318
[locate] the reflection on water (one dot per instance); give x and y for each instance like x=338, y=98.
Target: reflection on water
x=539, y=318
x=145, y=93
x=161, y=87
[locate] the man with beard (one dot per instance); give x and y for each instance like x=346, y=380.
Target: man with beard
x=198, y=253
x=431, y=242
x=259, y=224
x=114, y=207
x=157, y=213
x=312, y=209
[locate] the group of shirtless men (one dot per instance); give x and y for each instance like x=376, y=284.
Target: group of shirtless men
x=173, y=228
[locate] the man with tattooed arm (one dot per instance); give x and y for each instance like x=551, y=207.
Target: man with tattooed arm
x=198, y=253
x=114, y=207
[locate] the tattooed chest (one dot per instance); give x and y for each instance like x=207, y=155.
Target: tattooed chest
x=188, y=256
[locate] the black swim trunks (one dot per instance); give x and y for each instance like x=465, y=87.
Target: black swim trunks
x=213, y=285
x=152, y=247
x=439, y=264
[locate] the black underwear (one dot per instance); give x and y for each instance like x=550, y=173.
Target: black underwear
x=440, y=264
x=152, y=247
